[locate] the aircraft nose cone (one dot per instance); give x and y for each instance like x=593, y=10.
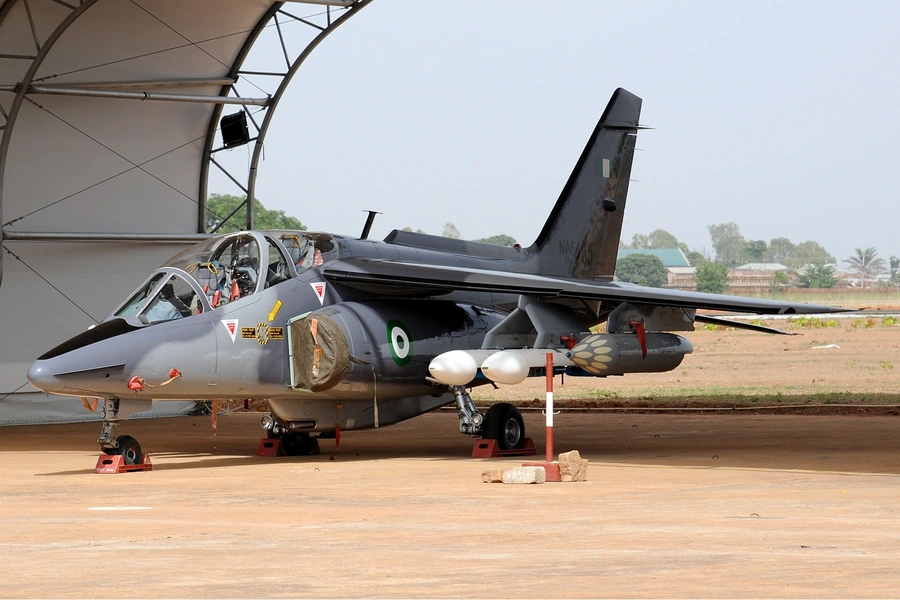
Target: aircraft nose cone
x=42, y=378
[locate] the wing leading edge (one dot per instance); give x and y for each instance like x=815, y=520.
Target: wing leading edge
x=388, y=277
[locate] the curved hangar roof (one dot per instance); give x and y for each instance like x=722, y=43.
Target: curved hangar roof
x=110, y=109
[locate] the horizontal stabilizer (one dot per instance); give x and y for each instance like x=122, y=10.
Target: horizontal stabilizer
x=739, y=325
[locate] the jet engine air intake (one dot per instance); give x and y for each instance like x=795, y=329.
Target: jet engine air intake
x=348, y=349
x=319, y=350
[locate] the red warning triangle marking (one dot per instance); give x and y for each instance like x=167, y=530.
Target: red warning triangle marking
x=319, y=288
x=231, y=325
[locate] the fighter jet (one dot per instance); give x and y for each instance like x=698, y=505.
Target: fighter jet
x=340, y=333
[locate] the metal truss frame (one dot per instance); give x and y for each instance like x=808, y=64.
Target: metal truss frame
x=276, y=16
x=329, y=24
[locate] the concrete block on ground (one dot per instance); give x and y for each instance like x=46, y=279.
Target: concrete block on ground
x=551, y=469
x=492, y=476
x=572, y=467
x=525, y=475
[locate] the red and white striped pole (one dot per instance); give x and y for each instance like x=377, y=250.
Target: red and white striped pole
x=549, y=369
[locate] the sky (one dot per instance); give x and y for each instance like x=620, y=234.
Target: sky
x=782, y=117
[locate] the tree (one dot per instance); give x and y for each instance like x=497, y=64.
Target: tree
x=639, y=241
x=660, y=238
x=780, y=250
x=450, y=231
x=895, y=269
x=780, y=280
x=695, y=258
x=642, y=269
x=410, y=229
x=817, y=275
x=866, y=263
x=753, y=251
x=712, y=277
x=499, y=240
x=809, y=252
x=728, y=243
x=219, y=206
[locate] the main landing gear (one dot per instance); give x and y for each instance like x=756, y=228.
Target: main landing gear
x=283, y=441
x=299, y=444
x=502, y=422
x=122, y=454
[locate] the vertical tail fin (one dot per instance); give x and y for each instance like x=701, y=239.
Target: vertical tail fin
x=581, y=236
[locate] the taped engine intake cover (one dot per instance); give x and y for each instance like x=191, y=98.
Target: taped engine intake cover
x=320, y=352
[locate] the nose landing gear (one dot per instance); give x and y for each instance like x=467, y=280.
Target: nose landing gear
x=122, y=454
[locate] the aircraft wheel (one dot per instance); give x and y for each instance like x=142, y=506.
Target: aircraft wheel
x=128, y=449
x=299, y=444
x=503, y=422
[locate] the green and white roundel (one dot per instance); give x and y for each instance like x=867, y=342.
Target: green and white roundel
x=400, y=341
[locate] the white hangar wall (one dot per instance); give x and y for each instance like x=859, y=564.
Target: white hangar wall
x=109, y=116
x=34, y=317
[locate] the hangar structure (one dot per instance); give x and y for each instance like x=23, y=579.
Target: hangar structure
x=112, y=114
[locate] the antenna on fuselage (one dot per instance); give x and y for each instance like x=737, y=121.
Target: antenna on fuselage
x=368, y=226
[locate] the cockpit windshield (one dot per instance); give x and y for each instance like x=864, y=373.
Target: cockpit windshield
x=224, y=269
x=309, y=250
x=163, y=297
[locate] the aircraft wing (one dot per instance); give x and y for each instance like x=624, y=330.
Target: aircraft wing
x=395, y=277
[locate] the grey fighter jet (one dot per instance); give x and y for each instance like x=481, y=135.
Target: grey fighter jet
x=340, y=333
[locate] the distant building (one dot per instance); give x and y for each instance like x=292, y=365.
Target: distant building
x=762, y=267
x=754, y=276
x=681, y=275
x=680, y=271
x=670, y=257
x=683, y=278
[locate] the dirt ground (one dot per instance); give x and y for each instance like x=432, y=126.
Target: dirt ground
x=693, y=505
x=851, y=359
x=728, y=504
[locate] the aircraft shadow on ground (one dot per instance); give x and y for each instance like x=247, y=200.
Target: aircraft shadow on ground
x=208, y=462
x=162, y=460
x=807, y=458
x=856, y=445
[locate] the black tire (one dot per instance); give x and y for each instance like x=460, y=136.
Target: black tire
x=489, y=425
x=128, y=449
x=299, y=444
x=503, y=422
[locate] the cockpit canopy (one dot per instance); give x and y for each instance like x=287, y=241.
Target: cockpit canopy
x=225, y=269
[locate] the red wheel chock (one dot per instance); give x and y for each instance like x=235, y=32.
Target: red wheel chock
x=115, y=463
x=491, y=449
x=269, y=447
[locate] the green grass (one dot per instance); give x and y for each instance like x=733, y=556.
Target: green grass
x=850, y=298
x=718, y=394
x=717, y=397
x=812, y=322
